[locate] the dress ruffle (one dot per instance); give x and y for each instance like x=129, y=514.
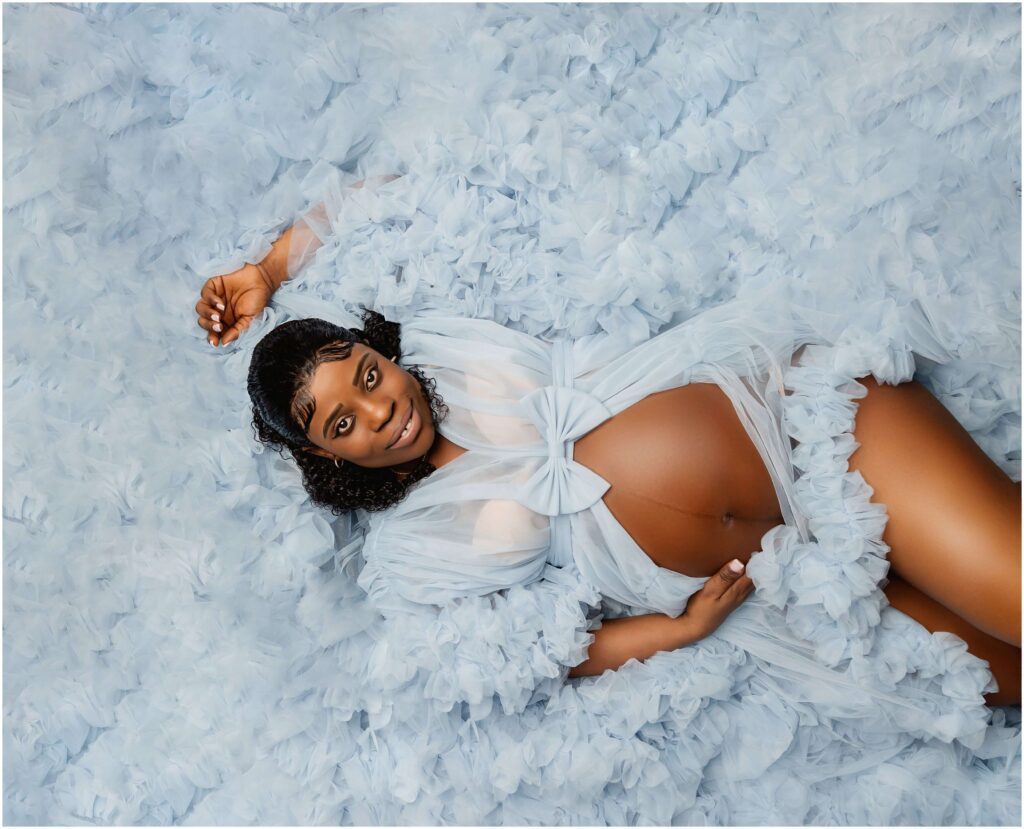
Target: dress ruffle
x=184, y=641
x=828, y=587
x=515, y=646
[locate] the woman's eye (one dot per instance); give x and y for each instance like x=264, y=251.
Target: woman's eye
x=376, y=378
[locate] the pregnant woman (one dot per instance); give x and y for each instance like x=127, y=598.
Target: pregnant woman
x=483, y=458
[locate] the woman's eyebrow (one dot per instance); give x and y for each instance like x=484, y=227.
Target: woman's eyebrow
x=355, y=382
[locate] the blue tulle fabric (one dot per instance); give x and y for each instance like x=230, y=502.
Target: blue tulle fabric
x=185, y=637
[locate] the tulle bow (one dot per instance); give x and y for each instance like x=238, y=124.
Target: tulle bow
x=562, y=485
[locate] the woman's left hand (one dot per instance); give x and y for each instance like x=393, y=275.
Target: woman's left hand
x=720, y=596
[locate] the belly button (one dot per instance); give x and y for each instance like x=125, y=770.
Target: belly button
x=727, y=518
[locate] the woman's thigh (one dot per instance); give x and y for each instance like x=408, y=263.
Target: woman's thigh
x=953, y=515
x=1003, y=659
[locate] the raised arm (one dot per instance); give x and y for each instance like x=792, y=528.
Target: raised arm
x=297, y=245
x=228, y=303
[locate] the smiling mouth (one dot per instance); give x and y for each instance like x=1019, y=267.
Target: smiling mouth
x=406, y=420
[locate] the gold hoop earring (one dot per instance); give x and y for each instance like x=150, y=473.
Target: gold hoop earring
x=336, y=465
x=394, y=358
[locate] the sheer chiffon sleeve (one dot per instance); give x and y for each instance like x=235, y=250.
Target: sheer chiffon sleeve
x=514, y=645
x=315, y=224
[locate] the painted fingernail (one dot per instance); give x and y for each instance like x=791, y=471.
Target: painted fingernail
x=220, y=305
x=215, y=317
x=736, y=565
x=216, y=327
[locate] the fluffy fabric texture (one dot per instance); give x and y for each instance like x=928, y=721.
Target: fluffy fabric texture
x=185, y=641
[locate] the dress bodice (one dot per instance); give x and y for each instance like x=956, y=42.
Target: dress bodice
x=516, y=504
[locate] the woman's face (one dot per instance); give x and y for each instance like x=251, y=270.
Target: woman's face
x=360, y=406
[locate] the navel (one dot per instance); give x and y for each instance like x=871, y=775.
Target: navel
x=728, y=518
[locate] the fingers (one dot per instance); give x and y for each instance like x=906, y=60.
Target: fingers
x=213, y=293
x=210, y=321
x=235, y=331
x=731, y=573
x=210, y=309
x=209, y=318
x=744, y=587
x=730, y=582
x=741, y=587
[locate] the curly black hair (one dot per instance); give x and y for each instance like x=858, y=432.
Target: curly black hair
x=282, y=363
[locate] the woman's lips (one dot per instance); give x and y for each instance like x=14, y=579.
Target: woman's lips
x=414, y=429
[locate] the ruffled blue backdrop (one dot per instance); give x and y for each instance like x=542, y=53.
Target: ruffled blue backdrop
x=183, y=638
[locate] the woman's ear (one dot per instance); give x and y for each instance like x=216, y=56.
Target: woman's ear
x=316, y=450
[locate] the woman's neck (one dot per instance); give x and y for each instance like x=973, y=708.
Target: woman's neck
x=443, y=451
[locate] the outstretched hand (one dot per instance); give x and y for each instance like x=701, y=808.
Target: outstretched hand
x=230, y=302
x=720, y=596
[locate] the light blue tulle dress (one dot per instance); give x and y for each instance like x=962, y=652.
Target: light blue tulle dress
x=515, y=557
x=185, y=640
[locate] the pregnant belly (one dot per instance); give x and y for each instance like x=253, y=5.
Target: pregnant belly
x=687, y=482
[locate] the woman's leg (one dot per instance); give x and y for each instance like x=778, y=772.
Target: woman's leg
x=954, y=516
x=1003, y=659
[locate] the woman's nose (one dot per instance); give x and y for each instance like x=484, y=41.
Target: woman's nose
x=380, y=413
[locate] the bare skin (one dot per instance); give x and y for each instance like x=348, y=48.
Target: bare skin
x=690, y=489
x=1003, y=658
x=689, y=442
x=954, y=525
x=954, y=517
x=360, y=406
x=728, y=515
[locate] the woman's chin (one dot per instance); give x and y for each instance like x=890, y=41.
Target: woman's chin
x=427, y=440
